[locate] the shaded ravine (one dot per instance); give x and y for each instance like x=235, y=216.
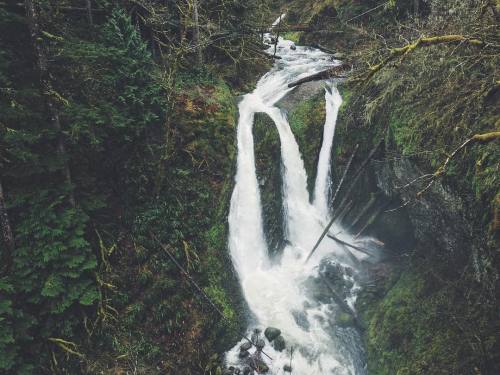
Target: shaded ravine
x=283, y=292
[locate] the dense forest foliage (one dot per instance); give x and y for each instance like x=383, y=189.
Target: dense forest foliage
x=116, y=123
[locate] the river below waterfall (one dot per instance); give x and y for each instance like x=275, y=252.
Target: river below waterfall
x=282, y=291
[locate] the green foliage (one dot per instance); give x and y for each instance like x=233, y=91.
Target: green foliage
x=416, y=329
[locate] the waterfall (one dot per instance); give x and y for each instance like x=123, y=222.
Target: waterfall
x=276, y=292
x=333, y=101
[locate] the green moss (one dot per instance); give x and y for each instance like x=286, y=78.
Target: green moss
x=294, y=36
x=306, y=122
x=267, y=158
x=412, y=329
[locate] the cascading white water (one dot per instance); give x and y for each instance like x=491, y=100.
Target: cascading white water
x=333, y=101
x=276, y=292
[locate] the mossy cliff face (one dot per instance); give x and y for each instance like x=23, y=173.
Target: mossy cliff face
x=305, y=109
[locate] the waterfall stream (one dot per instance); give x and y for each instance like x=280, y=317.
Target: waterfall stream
x=283, y=292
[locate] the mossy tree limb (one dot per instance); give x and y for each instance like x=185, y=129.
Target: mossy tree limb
x=421, y=42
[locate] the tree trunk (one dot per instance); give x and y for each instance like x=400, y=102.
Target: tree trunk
x=196, y=34
x=47, y=89
x=7, y=237
x=89, y=12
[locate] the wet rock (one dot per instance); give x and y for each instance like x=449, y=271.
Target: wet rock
x=259, y=344
x=279, y=343
x=287, y=368
x=259, y=365
x=243, y=354
x=339, y=55
x=300, y=318
x=293, y=47
x=245, y=346
x=237, y=371
x=228, y=371
x=247, y=371
x=271, y=333
x=255, y=335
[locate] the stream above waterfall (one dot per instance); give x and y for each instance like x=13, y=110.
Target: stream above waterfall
x=308, y=301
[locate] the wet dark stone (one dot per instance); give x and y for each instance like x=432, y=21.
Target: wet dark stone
x=243, y=354
x=255, y=335
x=300, y=318
x=259, y=344
x=271, y=333
x=287, y=368
x=279, y=343
x=245, y=346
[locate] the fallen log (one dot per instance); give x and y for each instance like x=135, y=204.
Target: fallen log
x=341, y=205
x=360, y=249
x=327, y=228
x=324, y=49
x=338, y=71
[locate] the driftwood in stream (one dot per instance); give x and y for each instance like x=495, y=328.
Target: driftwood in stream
x=338, y=71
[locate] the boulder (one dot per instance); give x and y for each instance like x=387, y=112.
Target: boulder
x=259, y=344
x=246, y=346
x=287, y=368
x=271, y=333
x=247, y=371
x=255, y=335
x=279, y=343
x=338, y=55
x=293, y=47
x=243, y=354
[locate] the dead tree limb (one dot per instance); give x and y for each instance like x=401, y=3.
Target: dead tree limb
x=373, y=217
x=323, y=49
x=327, y=228
x=338, y=71
x=364, y=210
x=276, y=41
x=358, y=173
x=358, y=248
x=7, y=236
x=346, y=170
x=354, y=181
x=88, y=5
x=478, y=138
